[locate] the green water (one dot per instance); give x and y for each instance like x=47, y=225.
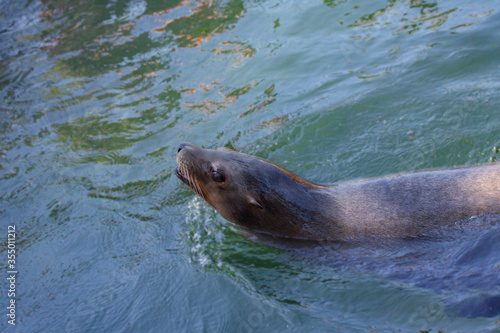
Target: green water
x=96, y=96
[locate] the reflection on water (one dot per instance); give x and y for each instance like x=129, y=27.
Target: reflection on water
x=97, y=95
x=458, y=262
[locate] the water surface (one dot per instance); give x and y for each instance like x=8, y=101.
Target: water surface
x=97, y=95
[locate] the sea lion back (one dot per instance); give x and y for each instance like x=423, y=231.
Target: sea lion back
x=408, y=204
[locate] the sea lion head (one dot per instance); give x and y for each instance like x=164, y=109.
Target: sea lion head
x=246, y=190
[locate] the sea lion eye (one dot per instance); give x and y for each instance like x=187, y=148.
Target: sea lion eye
x=217, y=176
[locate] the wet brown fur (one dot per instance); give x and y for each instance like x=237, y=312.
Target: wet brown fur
x=261, y=196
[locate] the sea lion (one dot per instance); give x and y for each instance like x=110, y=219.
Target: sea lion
x=259, y=195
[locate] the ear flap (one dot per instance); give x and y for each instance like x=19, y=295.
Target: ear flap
x=252, y=201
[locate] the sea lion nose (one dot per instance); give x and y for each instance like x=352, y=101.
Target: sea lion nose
x=181, y=147
x=187, y=145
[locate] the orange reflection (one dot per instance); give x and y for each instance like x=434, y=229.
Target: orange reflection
x=205, y=21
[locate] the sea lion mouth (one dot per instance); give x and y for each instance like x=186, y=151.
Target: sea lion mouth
x=182, y=172
x=181, y=177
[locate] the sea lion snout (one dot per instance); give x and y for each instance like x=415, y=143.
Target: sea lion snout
x=186, y=145
x=188, y=157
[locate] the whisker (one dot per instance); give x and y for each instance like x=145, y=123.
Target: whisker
x=199, y=188
x=193, y=182
x=195, y=185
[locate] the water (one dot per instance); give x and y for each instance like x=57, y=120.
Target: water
x=96, y=97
